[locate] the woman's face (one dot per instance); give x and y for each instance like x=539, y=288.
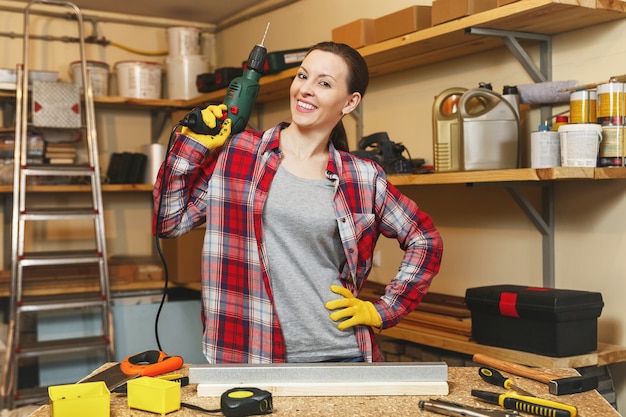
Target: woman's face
x=319, y=93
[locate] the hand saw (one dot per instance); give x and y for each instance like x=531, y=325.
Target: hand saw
x=148, y=363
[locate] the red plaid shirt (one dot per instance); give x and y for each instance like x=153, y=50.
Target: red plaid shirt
x=228, y=189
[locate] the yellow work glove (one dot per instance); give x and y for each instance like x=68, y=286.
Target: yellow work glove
x=359, y=311
x=210, y=115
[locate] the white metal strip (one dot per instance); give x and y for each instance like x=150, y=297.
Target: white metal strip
x=325, y=372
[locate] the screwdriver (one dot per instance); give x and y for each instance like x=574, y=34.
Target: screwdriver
x=525, y=404
x=494, y=377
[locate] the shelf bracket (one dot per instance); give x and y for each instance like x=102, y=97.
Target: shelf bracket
x=159, y=118
x=8, y=113
x=544, y=222
x=543, y=73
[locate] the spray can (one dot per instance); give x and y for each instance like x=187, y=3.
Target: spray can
x=559, y=121
x=611, y=151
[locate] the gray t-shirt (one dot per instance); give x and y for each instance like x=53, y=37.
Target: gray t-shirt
x=305, y=257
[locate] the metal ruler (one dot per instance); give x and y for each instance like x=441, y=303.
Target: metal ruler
x=324, y=379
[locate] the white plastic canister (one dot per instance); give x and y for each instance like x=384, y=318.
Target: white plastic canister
x=579, y=144
x=182, y=72
x=139, y=79
x=98, y=73
x=183, y=41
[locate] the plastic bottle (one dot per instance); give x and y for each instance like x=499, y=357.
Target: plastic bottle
x=511, y=94
x=545, y=148
x=560, y=121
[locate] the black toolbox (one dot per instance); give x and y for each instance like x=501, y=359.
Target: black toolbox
x=547, y=321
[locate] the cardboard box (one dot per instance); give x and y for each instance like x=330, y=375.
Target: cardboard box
x=547, y=321
x=184, y=256
x=402, y=22
x=356, y=34
x=446, y=10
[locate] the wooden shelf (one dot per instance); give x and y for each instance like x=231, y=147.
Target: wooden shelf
x=510, y=175
x=106, y=188
x=449, y=40
x=465, y=177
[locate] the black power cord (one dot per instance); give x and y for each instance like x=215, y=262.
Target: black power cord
x=158, y=232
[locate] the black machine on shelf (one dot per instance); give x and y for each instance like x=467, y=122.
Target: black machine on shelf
x=388, y=154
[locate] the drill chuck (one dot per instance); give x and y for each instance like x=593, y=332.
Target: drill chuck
x=257, y=58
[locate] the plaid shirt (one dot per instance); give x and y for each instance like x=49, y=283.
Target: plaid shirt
x=228, y=189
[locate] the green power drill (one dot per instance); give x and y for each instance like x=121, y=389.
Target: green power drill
x=240, y=96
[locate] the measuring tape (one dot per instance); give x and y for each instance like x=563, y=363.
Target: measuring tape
x=241, y=402
x=150, y=363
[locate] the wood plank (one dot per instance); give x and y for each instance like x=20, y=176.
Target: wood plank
x=608, y=354
x=106, y=188
x=438, y=321
x=440, y=178
x=409, y=333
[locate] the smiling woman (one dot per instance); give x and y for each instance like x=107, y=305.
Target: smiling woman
x=292, y=219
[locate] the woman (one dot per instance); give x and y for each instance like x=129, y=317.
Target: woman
x=292, y=221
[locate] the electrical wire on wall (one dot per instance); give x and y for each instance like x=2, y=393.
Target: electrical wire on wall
x=90, y=40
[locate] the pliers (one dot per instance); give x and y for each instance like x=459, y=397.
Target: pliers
x=461, y=410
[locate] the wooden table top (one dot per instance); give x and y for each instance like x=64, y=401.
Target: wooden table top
x=460, y=380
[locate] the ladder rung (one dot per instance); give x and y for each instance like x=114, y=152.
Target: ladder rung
x=34, y=395
x=62, y=346
x=60, y=170
x=60, y=258
x=55, y=214
x=48, y=303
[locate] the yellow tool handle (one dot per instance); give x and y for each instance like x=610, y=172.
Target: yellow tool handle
x=514, y=368
x=535, y=405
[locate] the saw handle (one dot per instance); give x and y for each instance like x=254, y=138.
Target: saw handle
x=150, y=363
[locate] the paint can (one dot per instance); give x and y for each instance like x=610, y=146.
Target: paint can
x=582, y=105
x=545, y=148
x=579, y=144
x=183, y=41
x=139, y=79
x=610, y=102
x=611, y=152
x=98, y=73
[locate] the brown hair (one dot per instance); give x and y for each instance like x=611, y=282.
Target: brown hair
x=358, y=79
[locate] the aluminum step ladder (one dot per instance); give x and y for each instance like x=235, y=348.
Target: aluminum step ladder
x=39, y=210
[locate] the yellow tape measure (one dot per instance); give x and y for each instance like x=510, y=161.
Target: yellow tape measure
x=241, y=402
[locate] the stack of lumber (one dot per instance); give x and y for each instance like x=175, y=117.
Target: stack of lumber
x=438, y=314
x=60, y=153
x=124, y=273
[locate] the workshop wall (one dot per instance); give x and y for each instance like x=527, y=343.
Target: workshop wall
x=488, y=239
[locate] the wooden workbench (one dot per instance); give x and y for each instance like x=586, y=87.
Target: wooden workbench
x=460, y=381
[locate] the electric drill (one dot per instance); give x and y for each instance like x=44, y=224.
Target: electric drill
x=240, y=96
